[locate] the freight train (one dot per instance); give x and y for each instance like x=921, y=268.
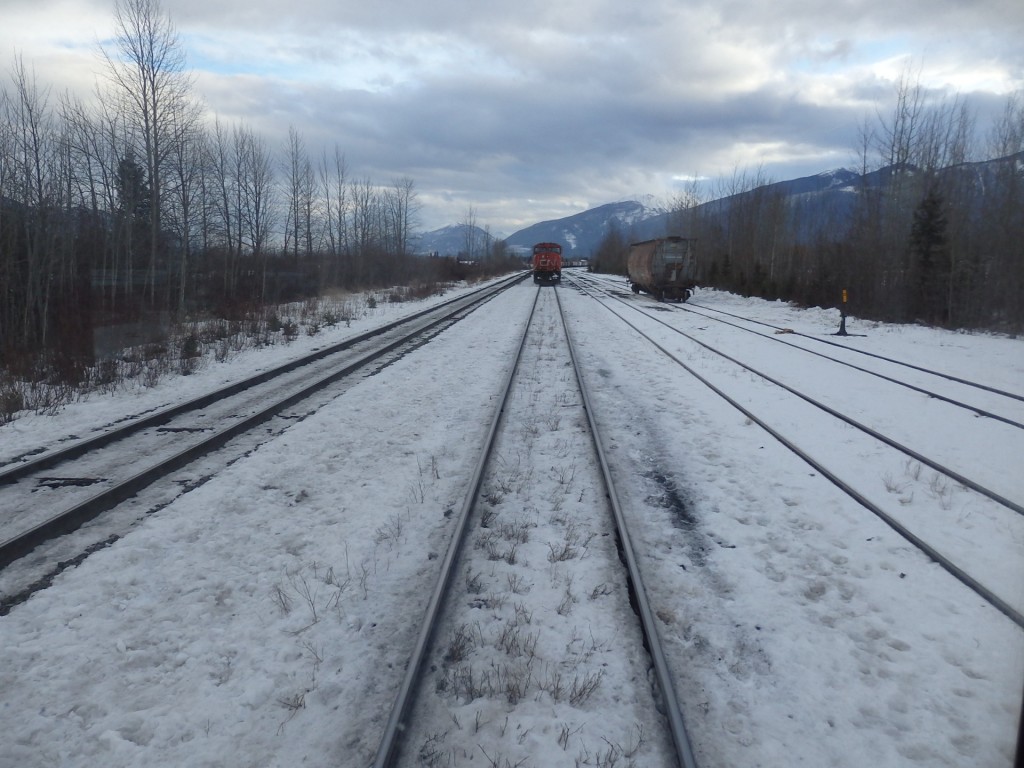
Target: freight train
x=547, y=263
x=665, y=267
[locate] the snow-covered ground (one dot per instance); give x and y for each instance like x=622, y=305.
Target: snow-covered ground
x=812, y=633
x=263, y=617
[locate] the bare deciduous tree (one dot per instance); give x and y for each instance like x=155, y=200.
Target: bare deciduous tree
x=300, y=196
x=148, y=74
x=401, y=205
x=471, y=234
x=898, y=134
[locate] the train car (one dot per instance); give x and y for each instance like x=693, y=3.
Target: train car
x=547, y=263
x=665, y=267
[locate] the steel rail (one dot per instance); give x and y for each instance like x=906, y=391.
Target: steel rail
x=951, y=473
x=652, y=639
x=908, y=385
x=965, y=578
x=48, y=460
x=390, y=743
x=71, y=519
x=949, y=377
x=940, y=374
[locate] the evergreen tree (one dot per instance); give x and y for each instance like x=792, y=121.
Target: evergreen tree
x=132, y=189
x=929, y=263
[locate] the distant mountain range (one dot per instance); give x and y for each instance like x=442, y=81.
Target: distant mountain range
x=579, y=234
x=453, y=240
x=829, y=194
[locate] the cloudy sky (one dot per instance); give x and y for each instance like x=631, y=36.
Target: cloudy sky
x=534, y=110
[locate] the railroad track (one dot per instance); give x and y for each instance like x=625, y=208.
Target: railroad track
x=46, y=494
x=1004, y=404
x=761, y=613
x=977, y=397
x=902, y=363
x=531, y=522
x=996, y=510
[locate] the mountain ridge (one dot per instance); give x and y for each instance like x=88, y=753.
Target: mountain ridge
x=830, y=192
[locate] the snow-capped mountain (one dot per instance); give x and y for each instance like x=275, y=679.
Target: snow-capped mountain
x=581, y=233
x=454, y=240
x=823, y=200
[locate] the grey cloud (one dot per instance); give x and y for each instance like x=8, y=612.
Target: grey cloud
x=524, y=109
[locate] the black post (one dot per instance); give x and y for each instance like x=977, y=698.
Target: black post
x=1018, y=761
x=842, y=317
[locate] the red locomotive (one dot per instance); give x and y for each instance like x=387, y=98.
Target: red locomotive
x=547, y=263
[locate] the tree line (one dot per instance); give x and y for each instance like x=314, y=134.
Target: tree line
x=135, y=204
x=929, y=233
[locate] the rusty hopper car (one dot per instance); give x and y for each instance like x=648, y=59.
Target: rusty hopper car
x=666, y=267
x=547, y=263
